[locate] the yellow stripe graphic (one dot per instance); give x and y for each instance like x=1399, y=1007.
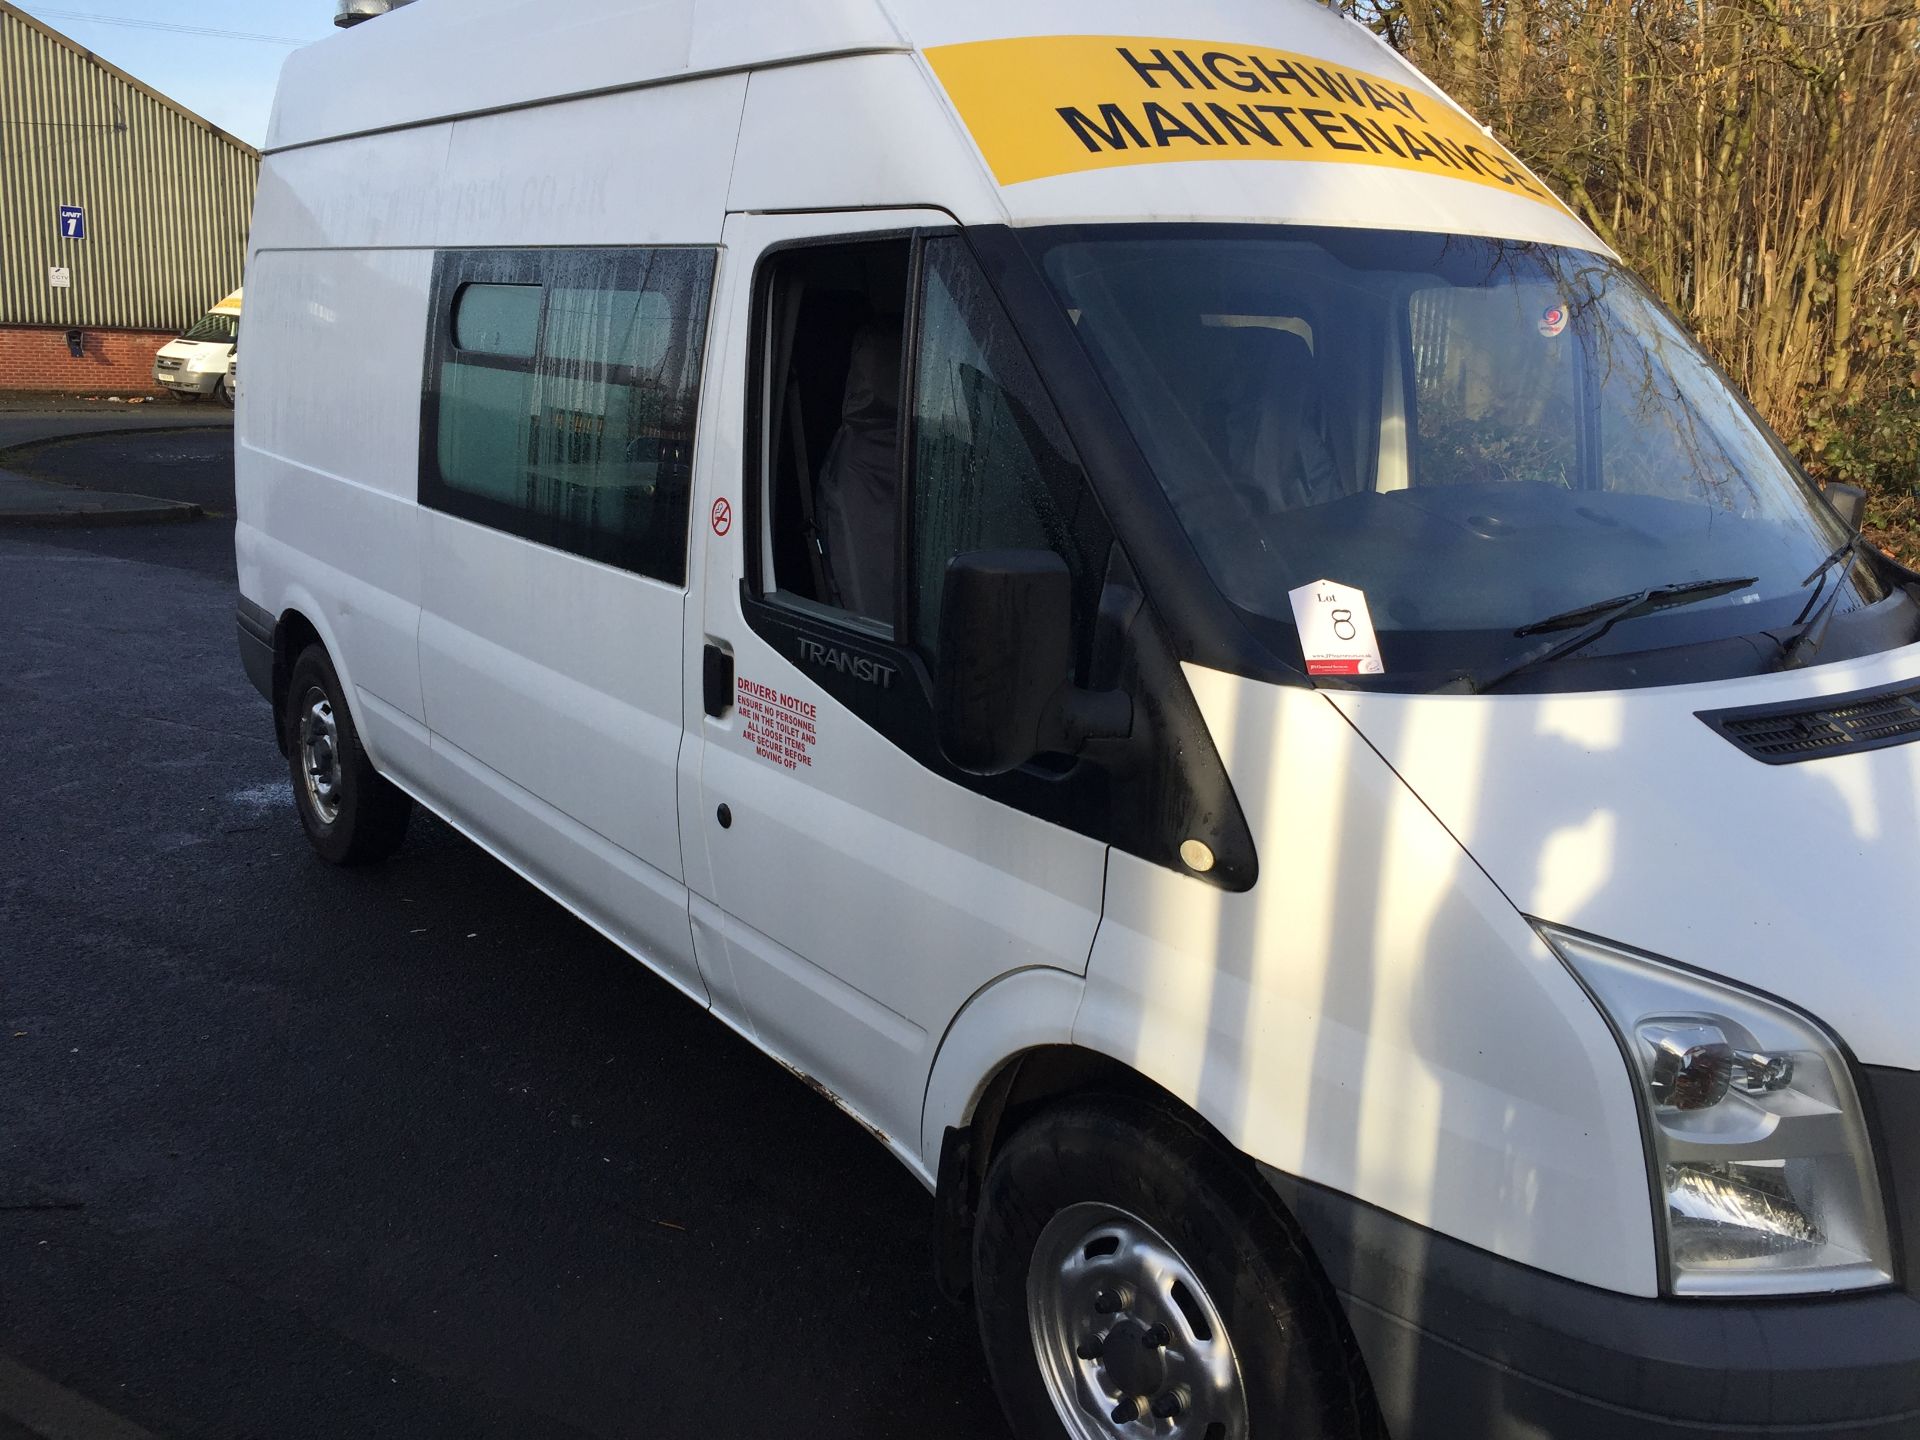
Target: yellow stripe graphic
x=1058, y=104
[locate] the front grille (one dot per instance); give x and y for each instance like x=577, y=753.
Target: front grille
x=1835, y=725
x=169, y=364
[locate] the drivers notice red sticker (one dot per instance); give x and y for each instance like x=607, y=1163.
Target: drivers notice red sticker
x=782, y=728
x=1553, y=320
x=722, y=516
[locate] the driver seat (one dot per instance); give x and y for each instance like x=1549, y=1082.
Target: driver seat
x=1275, y=422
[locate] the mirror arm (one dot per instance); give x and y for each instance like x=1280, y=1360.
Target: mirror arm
x=1075, y=718
x=1848, y=501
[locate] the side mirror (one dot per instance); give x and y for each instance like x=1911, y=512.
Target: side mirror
x=1003, y=683
x=1849, y=501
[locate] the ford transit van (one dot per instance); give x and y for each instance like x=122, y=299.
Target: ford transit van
x=197, y=365
x=1124, y=589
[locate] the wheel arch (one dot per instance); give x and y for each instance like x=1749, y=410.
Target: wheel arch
x=293, y=632
x=1010, y=1053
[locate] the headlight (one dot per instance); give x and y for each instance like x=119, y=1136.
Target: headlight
x=1759, y=1149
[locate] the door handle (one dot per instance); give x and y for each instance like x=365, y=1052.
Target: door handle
x=716, y=680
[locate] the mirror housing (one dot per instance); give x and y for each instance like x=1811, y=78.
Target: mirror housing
x=1849, y=502
x=1003, y=680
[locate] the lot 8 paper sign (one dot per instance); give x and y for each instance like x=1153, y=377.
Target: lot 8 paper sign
x=1056, y=104
x=1336, y=629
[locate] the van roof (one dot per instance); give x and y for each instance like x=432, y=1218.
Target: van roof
x=440, y=59
x=228, y=306
x=998, y=111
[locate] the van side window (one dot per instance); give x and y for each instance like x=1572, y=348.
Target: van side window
x=499, y=320
x=834, y=317
x=992, y=466
x=563, y=387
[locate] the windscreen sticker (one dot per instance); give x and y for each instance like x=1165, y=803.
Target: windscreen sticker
x=1553, y=321
x=1336, y=629
x=1057, y=104
x=782, y=728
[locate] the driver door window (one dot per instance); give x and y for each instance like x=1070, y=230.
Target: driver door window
x=992, y=467
x=975, y=447
x=835, y=317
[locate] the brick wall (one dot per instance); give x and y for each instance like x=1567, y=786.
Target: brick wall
x=117, y=362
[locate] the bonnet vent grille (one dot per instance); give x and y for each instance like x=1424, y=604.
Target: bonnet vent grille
x=1835, y=725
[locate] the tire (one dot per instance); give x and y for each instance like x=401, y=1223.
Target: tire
x=1251, y=1342
x=351, y=815
x=223, y=392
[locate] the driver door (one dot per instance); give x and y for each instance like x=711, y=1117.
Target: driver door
x=852, y=890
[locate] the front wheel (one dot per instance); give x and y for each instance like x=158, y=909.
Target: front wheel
x=1135, y=1280
x=223, y=391
x=352, y=815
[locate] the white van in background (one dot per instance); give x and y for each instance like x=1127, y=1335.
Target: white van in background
x=1159, y=617
x=200, y=363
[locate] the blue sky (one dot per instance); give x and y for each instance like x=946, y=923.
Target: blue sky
x=228, y=80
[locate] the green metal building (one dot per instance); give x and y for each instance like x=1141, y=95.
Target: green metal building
x=123, y=215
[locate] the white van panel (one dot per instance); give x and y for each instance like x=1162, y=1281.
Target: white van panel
x=438, y=59
x=1622, y=814
x=1373, y=1015
x=556, y=677
x=331, y=334
x=646, y=167
x=358, y=193
x=768, y=32
x=629, y=901
x=347, y=326
x=887, y=138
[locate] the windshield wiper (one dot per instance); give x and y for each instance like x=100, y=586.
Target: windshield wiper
x=1811, y=632
x=1598, y=618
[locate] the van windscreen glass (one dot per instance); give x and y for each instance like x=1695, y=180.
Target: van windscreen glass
x=1476, y=433
x=215, y=329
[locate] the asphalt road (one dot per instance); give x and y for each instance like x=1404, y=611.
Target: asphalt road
x=287, y=1151
x=194, y=465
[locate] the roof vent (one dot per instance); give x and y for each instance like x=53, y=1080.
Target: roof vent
x=352, y=12
x=1833, y=725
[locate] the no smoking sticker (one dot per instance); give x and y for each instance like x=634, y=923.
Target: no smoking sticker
x=1336, y=629
x=722, y=516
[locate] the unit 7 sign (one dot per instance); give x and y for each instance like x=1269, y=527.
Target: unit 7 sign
x=73, y=222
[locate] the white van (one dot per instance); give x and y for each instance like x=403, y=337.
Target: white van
x=1157, y=617
x=200, y=363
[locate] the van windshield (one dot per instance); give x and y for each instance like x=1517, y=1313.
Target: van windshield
x=1477, y=433
x=215, y=328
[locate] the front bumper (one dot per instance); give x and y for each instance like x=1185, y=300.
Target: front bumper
x=1459, y=1342
x=188, y=382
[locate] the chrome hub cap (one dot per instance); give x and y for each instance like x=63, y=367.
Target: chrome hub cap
x=319, y=742
x=1129, y=1342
